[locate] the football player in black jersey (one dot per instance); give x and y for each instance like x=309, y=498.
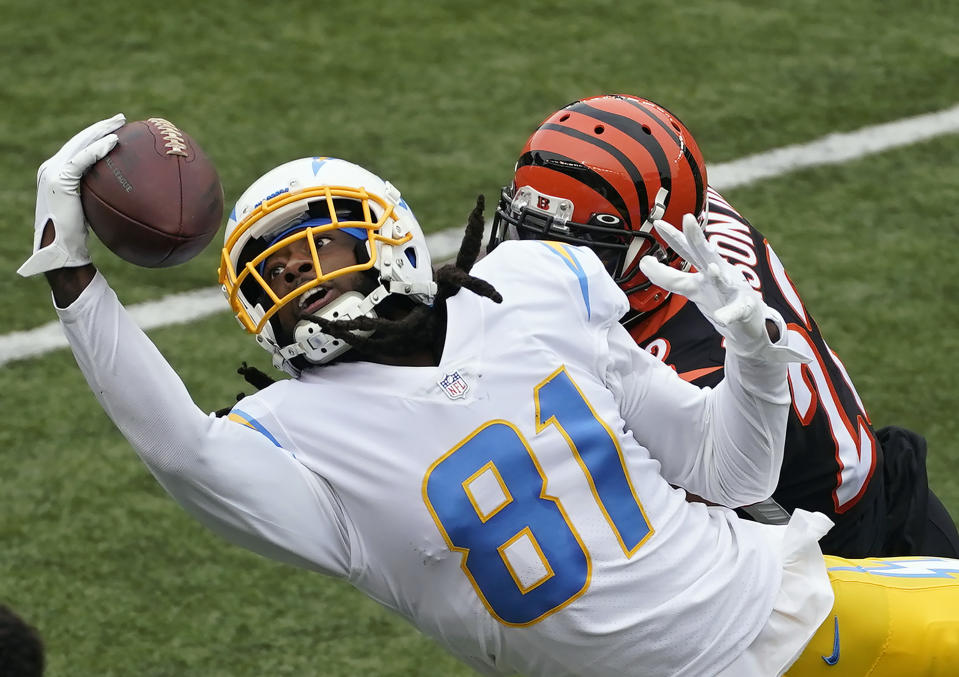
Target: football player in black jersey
x=599, y=172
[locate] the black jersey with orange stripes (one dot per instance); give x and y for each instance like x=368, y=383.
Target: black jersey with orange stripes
x=832, y=460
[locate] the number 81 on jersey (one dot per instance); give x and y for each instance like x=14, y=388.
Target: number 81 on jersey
x=488, y=498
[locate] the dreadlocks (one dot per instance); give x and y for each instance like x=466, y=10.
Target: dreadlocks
x=254, y=377
x=420, y=327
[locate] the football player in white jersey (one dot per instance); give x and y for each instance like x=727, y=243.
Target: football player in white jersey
x=490, y=457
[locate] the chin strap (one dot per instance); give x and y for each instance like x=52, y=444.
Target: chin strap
x=318, y=347
x=657, y=212
x=418, y=290
x=255, y=378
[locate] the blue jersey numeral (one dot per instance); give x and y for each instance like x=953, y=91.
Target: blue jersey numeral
x=559, y=402
x=488, y=496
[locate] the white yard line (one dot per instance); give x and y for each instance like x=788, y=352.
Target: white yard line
x=834, y=149
x=831, y=149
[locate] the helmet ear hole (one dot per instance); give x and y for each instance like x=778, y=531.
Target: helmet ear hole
x=606, y=219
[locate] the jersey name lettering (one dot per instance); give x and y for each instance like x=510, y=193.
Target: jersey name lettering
x=731, y=237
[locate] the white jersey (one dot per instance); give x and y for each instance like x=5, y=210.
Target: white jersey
x=514, y=502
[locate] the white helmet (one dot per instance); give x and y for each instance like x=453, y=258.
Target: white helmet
x=298, y=200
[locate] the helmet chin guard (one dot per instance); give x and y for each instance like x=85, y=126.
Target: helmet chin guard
x=301, y=200
x=317, y=347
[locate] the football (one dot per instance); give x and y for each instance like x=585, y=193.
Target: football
x=155, y=200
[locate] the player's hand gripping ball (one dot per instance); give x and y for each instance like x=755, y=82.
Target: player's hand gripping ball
x=155, y=200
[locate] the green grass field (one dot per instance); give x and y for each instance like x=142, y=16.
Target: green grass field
x=438, y=97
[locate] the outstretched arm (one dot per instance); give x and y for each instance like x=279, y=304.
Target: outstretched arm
x=233, y=480
x=723, y=444
x=729, y=449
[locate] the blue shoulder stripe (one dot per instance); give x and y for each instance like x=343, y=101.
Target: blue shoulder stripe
x=565, y=252
x=243, y=418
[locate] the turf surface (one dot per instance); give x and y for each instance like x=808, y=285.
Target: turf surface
x=437, y=97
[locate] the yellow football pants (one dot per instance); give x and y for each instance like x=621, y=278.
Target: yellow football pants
x=893, y=617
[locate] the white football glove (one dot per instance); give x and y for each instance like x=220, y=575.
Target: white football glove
x=58, y=198
x=721, y=293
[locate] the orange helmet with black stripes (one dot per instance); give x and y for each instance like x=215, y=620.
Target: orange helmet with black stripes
x=598, y=172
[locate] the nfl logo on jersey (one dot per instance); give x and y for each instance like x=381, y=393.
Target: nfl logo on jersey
x=454, y=385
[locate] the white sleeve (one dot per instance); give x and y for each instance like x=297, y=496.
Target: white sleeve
x=231, y=478
x=724, y=444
